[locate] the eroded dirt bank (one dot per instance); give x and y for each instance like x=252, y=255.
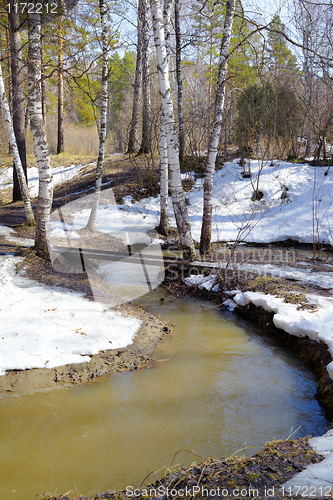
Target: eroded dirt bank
x=134, y=356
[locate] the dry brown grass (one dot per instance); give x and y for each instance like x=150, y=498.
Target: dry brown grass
x=79, y=140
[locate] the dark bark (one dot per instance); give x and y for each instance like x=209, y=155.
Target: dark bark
x=145, y=147
x=17, y=95
x=133, y=133
x=61, y=141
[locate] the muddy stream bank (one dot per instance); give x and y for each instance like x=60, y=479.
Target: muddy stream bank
x=217, y=386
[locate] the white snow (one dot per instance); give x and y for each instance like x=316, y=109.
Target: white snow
x=60, y=175
x=46, y=327
x=321, y=279
x=128, y=225
x=316, y=478
x=9, y=234
x=201, y=281
x=237, y=218
x=63, y=327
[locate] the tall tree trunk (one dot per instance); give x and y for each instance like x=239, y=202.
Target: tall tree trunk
x=42, y=73
x=307, y=85
x=15, y=152
x=61, y=141
x=9, y=87
x=206, y=228
x=17, y=95
x=181, y=132
x=145, y=147
x=166, y=24
x=45, y=191
x=164, y=226
x=177, y=192
x=133, y=133
x=10, y=98
x=103, y=123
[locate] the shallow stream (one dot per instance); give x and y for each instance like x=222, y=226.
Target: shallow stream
x=218, y=386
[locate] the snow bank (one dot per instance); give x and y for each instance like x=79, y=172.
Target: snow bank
x=45, y=327
x=321, y=279
x=8, y=233
x=201, y=281
x=315, y=323
x=236, y=217
x=317, y=479
x=60, y=175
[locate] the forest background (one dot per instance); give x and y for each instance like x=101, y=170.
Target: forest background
x=277, y=95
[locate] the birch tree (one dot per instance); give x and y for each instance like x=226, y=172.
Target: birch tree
x=178, y=199
x=181, y=132
x=16, y=155
x=206, y=228
x=164, y=226
x=45, y=191
x=103, y=122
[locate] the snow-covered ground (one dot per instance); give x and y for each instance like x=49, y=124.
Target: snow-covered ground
x=42, y=326
x=63, y=327
x=60, y=175
x=306, y=212
x=297, y=204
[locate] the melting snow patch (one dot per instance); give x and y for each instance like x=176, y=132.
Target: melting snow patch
x=316, y=480
x=323, y=280
x=8, y=233
x=45, y=327
x=316, y=324
x=60, y=175
x=201, y=281
x=237, y=218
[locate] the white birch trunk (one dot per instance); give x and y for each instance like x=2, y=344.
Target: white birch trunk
x=166, y=23
x=103, y=123
x=181, y=124
x=16, y=156
x=45, y=192
x=206, y=229
x=164, y=227
x=178, y=199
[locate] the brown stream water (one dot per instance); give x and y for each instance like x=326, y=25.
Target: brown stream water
x=224, y=388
